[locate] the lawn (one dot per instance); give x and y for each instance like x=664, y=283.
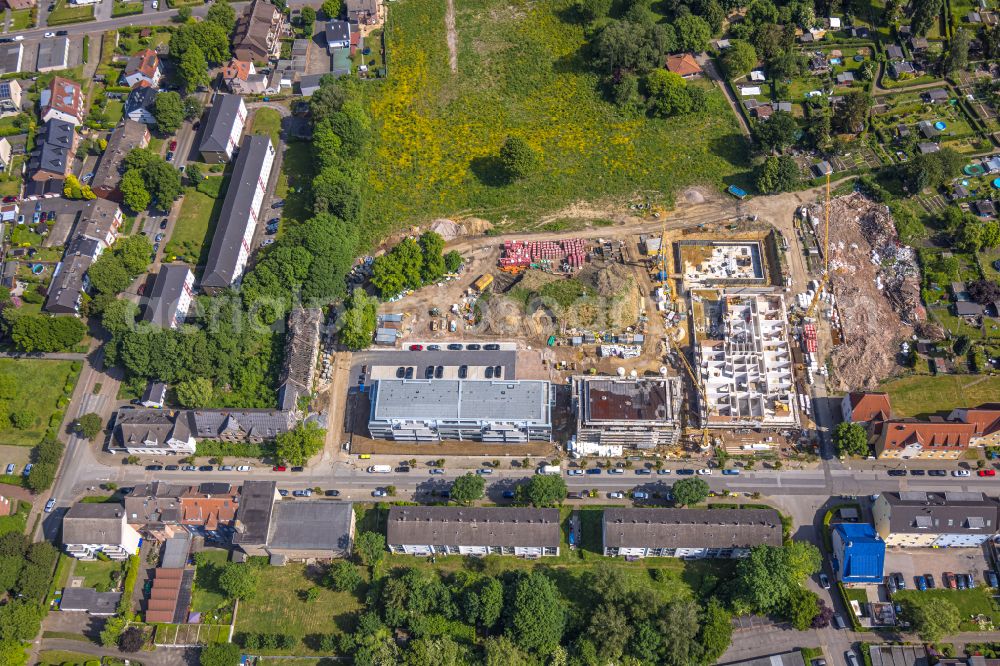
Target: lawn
x=521, y=73
x=207, y=596
x=977, y=601
x=193, y=230
x=278, y=606
x=293, y=184
x=266, y=121
x=16, y=522
x=63, y=658
x=11, y=182
x=126, y=8
x=20, y=19
x=921, y=396
x=65, y=13
x=39, y=385
x=97, y=574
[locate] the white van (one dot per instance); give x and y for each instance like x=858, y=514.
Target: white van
x=380, y=469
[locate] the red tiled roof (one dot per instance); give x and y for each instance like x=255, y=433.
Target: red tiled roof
x=237, y=69
x=65, y=96
x=145, y=62
x=985, y=418
x=899, y=434
x=684, y=64
x=869, y=406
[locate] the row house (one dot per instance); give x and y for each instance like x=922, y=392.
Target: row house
x=223, y=129
x=918, y=519
x=89, y=529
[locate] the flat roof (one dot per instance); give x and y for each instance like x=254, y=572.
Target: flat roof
x=254, y=514
x=643, y=399
x=311, y=525
x=461, y=399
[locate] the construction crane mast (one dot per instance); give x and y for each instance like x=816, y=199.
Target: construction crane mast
x=699, y=386
x=824, y=279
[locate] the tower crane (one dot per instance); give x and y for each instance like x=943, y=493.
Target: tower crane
x=698, y=385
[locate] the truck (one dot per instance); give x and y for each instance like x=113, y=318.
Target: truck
x=550, y=469
x=483, y=282
x=737, y=192
x=380, y=469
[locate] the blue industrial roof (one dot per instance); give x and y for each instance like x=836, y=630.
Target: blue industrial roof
x=863, y=556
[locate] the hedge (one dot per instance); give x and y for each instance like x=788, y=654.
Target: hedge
x=221, y=449
x=125, y=603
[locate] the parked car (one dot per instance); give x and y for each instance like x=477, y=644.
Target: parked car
x=278, y=204
x=594, y=471
x=575, y=472
x=970, y=582
x=11, y=467
x=51, y=216
x=279, y=468
x=455, y=346
x=61, y=33
x=416, y=347
x=51, y=504
x=437, y=470
x=498, y=371
x=10, y=198
x=163, y=223
x=172, y=468
x=400, y=372
x=852, y=659
x=332, y=493
x=50, y=35
x=639, y=495
x=960, y=472
x=439, y=372
x=298, y=468
x=378, y=492
x=616, y=470
x=302, y=493
x=929, y=579
x=473, y=347
x=409, y=373
x=173, y=145
x=205, y=468
x=243, y=468
x=429, y=372
x=705, y=472
x=948, y=580
x=838, y=621
x=987, y=472
x=663, y=472
x=170, y=156
x=616, y=495
x=824, y=581
x=991, y=578
x=189, y=468
x=921, y=583
x=433, y=347
x=890, y=583
x=900, y=581
x=917, y=472
x=508, y=494
x=491, y=347
x=960, y=581
x=489, y=372
x=937, y=472
x=225, y=468
x=643, y=471
x=158, y=237
x=282, y=492
x=731, y=472
x=463, y=371
x=897, y=472
x=151, y=468
x=484, y=470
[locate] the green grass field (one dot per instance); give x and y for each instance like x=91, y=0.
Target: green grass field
x=266, y=121
x=63, y=658
x=921, y=396
x=126, y=8
x=193, y=230
x=39, y=385
x=65, y=13
x=277, y=606
x=520, y=72
x=97, y=573
x=293, y=184
x=20, y=19
x=207, y=596
x=15, y=522
x=978, y=601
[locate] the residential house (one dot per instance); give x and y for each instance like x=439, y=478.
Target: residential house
x=291, y=531
x=900, y=68
x=983, y=208
x=258, y=31
x=927, y=128
x=894, y=52
x=69, y=279
x=240, y=213
x=986, y=422
x=688, y=533
x=862, y=407
x=301, y=355
x=845, y=78
x=126, y=137
x=442, y=530
x=247, y=425
x=62, y=100
x=153, y=432
x=163, y=510
x=5, y=157
x=362, y=12
x=927, y=148
x=859, y=32
x=224, y=128
x=242, y=78
x=143, y=67
x=310, y=83
x=53, y=54
x=170, y=298
x=89, y=529
x=154, y=396
x=139, y=104
x=55, y=146
x=909, y=438
x=858, y=554
x=10, y=98
x=684, y=65
x=968, y=309
x=11, y=57
x=8, y=212
x=338, y=35
x=99, y=220
x=919, y=43
x=88, y=600
x=918, y=519
x=936, y=96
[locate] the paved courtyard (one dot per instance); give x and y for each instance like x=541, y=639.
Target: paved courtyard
x=935, y=561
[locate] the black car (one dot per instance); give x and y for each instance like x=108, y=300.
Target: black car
x=489, y=372
x=497, y=371
x=154, y=468
x=463, y=371
x=61, y=33
x=937, y=472
x=332, y=493
x=274, y=221
x=400, y=372
x=429, y=372
x=473, y=347
x=409, y=373
x=685, y=472
x=929, y=581
x=455, y=347
x=205, y=468
x=298, y=468
x=282, y=492
x=405, y=469
x=897, y=472
x=163, y=223
x=918, y=472
x=439, y=372
x=433, y=347
x=491, y=347
x=172, y=468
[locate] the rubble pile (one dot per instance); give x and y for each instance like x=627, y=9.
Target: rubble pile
x=875, y=283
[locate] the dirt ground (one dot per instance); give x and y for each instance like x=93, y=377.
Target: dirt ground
x=875, y=284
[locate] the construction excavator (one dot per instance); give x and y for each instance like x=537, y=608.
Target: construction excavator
x=825, y=278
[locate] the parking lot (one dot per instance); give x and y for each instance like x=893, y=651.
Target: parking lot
x=935, y=561
x=386, y=365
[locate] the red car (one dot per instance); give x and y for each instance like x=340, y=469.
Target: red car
x=279, y=468
x=10, y=198
x=416, y=347
x=987, y=472
x=173, y=145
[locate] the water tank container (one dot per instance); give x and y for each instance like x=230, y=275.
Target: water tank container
x=663, y=371
x=621, y=372
x=633, y=374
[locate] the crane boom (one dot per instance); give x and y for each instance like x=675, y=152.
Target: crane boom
x=826, y=254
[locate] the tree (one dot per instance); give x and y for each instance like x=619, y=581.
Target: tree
x=679, y=628
x=42, y=476
x=133, y=189
x=716, y=631
x=220, y=654
x=301, y=443
x=537, y=616
x=543, y=490
x=690, y=491
x=431, y=248
x=338, y=193
x=633, y=45
x=984, y=292
x=113, y=628
x=923, y=14
x=501, y=651
x=31, y=332
x=693, y=33
x=776, y=133
x=739, y=59
x=591, y=10
x=23, y=418
x=12, y=653
x=332, y=8
x=184, y=14
x=958, y=51
x=193, y=108
x=850, y=439
x=932, y=617
x=20, y=620
x=74, y=189
x=212, y=38
x=163, y=181
x=452, y=261
x=440, y=651
x=852, y=113
x=667, y=93
x=89, y=425
x=370, y=548
x=468, y=488
x=195, y=392
x=803, y=606
x=10, y=568
x=517, y=158
x=491, y=597
x=358, y=321
x=777, y=174
x=107, y=275
x=223, y=14
x=308, y=18
x=344, y=577
x=132, y=639
x=194, y=174
x=239, y=581
x=168, y=109
x=192, y=73
x=133, y=252
x=803, y=559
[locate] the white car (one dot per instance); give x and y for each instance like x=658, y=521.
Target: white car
x=616, y=495
x=243, y=468
x=51, y=504
x=156, y=4
x=50, y=35
x=575, y=472
x=960, y=472
x=18, y=38
x=705, y=472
